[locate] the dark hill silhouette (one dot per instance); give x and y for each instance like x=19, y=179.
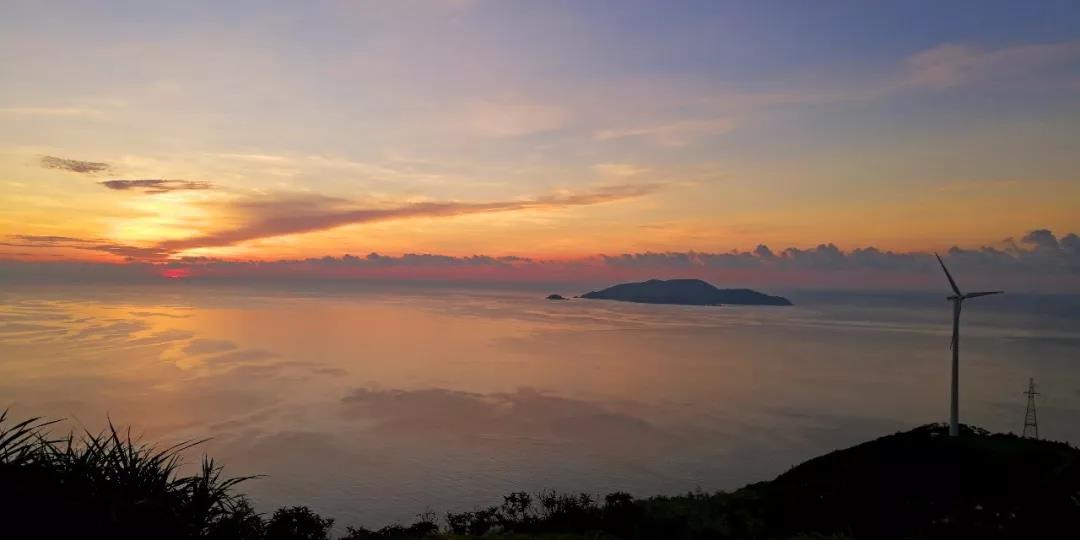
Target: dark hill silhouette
x=693, y=292
x=915, y=484
x=924, y=484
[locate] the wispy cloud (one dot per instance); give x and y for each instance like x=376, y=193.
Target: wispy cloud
x=279, y=216
x=45, y=239
x=680, y=133
x=709, y=112
x=207, y=346
x=133, y=253
x=953, y=64
x=63, y=112
x=501, y=119
x=73, y=165
x=619, y=170
x=156, y=186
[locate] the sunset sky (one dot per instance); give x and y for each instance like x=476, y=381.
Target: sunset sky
x=539, y=136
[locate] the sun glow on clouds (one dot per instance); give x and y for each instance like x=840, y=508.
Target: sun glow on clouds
x=161, y=217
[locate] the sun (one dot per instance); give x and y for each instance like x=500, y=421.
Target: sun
x=175, y=273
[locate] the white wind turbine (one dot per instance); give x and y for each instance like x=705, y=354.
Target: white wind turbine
x=957, y=299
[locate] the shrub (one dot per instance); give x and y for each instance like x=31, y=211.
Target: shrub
x=298, y=523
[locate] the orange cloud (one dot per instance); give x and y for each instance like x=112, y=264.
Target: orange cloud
x=303, y=214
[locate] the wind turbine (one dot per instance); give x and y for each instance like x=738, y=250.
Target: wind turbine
x=957, y=299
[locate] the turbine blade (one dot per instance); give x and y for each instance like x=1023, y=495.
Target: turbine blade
x=948, y=275
x=977, y=294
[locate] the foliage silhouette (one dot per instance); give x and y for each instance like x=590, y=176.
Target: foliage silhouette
x=298, y=523
x=107, y=484
x=914, y=484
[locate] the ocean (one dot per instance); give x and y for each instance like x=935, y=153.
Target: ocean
x=373, y=403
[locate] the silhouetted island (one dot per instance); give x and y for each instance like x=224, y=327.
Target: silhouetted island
x=691, y=292
x=556, y=297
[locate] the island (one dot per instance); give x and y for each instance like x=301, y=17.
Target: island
x=556, y=297
x=691, y=292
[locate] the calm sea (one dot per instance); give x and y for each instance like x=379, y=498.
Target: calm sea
x=373, y=404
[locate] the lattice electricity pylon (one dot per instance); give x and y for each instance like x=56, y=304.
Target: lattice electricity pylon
x=1031, y=420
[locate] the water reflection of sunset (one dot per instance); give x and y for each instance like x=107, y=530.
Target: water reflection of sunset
x=584, y=393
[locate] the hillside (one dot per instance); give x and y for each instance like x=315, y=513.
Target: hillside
x=918, y=484
x=922, y=483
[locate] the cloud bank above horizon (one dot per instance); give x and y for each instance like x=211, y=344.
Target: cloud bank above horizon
x=1039, y=261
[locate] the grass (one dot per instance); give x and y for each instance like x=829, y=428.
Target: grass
x=108, y=482
x=915, y=484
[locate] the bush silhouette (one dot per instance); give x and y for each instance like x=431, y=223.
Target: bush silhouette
x=109, y=485
x=298, y=523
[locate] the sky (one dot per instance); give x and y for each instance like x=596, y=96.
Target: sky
x=530, y=140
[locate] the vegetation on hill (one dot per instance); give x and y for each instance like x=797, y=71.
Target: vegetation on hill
x=914, y=484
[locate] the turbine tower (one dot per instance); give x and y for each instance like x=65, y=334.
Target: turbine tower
x=957, y=299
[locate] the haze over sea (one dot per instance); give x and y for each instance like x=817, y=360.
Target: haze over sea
x=373, y=403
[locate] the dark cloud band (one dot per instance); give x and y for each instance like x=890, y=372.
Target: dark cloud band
x=129, y=253
x=1039, y=260
x=1039, y=248
x=73, y=165
x=155, y=186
